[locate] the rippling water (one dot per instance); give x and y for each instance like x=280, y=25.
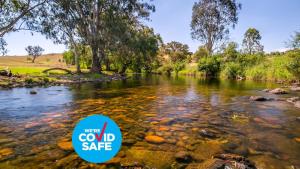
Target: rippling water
x=201, y=117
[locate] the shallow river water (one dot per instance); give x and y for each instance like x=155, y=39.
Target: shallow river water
x=200, y=117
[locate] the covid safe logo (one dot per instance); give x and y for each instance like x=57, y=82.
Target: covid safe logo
x=97, y=139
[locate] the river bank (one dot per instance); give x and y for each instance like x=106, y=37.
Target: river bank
x=16, y=81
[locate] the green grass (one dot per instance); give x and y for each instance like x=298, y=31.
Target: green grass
x=190, y=69
x=273, y=68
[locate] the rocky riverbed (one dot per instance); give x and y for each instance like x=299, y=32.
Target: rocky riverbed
x=165, y=123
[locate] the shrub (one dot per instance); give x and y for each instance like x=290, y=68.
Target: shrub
x=293, y=65
x=211, y=66
x=165, y=69
x=29, y=80
x=232, y=70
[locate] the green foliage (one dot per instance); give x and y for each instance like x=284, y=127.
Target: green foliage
x=69, y=57
x=178, y=66
x=200, y=53
x=34, y=51
x=295, y=41
x=232, y=70
x=272, y=68
x=230, y=52
x=212, y=19
x=211, y=66
x=293, y=65
x=251, y=42
x=165, y=69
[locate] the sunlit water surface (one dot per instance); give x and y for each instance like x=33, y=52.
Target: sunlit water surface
x=175, y=109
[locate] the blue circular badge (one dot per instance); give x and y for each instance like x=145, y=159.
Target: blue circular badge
x=97, y=139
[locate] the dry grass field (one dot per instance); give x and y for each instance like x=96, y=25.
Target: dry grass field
x=23, y=65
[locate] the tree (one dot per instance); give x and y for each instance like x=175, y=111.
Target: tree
x=16, y=13
x=200, y=53
x=211, y=20
x=295, y=41
x=3, y=45
x=177, y=51
x=178, y=54
x=251, y=42
x=137, y=50
x=99, y=23
x=64, y=31
x=211, y=66
x=34, y=51
x=230, y=52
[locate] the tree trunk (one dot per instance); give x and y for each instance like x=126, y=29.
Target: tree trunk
x=123, y=70
x=107, y=64
x=33, y=59
x=77, y=62
x=96, y=64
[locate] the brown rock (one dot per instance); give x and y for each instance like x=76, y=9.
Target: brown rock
x=183, y=157
x=278, y=91
x=295, y=89
x=258, y=98
x=297, y=104
x=5, y=152
x=154, y=139
x=293, y=99
x=65, y=145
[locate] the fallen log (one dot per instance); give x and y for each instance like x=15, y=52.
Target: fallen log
x=61, y=69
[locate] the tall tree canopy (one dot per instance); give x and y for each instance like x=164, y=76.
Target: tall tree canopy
x=251, y=42
x=211, y=20
x=99, y=23
x=177, y=51
x=15, y=13
x=15, y=16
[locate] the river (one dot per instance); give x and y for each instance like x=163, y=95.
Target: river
x=200, y=117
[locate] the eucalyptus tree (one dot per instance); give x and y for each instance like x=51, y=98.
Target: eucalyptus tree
x=56, y=24
x=15, y=15
x=34, y=51
x=137, y=49
x=251, y=42
x=97, y=21
x=211, y=20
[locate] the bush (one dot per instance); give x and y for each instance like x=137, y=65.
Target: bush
x=293, y=65
x=29, y=80
x=232, y=70
x=211, y=66
x=165, y=69
x=178, y=66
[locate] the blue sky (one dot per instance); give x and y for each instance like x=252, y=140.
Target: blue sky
x=275, y=19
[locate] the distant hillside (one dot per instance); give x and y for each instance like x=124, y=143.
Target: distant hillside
x=48, y=60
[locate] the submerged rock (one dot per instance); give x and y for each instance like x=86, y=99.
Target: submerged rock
x=154, y=139
x=129, y=142
x=297, y=104
x=258, y=98
x=278, y=91
x=295, y=89
x=183, y=157
x=65, y=145
x=5, y=152
x=232, y=161
x=208, y=134
x=33, y=92
x=293, y=99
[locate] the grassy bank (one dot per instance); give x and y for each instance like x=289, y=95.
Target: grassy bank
x=28, y=74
